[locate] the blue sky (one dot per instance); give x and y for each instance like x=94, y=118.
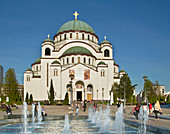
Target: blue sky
x=138, y=30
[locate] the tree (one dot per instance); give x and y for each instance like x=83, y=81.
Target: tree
x=26, y=98
x=11, y=85
x=168, y=99
x=51, y=93
x=66, y=100
x=31, y=99
x=115, y=90
x=126, y=88
x=152, y=91
x=134, y=99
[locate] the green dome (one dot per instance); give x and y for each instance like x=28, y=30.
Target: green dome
x=48, y=40
x=77, y=50
x=29, y=69
x=101, y=63
x=122, y=71
x=38, y=60
x=75, y=25
x=105, y=41
x=56, y=62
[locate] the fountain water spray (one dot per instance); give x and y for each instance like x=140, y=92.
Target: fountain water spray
x=118, y=124
x=39, y=113
x=106, y=125
x=66, y=129
x=143, y=118
x=99, y=118
x=90, y=115
x=33, y=115
x=25, y=114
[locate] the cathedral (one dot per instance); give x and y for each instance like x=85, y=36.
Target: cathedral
x=74, y=62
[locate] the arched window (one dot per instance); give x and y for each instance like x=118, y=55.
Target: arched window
x=78, y=59
x=67, y=60
x=28, y=78
x=89, y=60
x=84, y=60
x=77, y=36
x=63, y=62
x=55, y=72
x=92, y=38
x=37, y=68
x=72, y=59
x=83, y=36
x=64, y=36
x=88, y=37
x=60, y=37
x=93, y=62
x=106, y=53
x=71, y=35
x=47, y=52
x=102, y=73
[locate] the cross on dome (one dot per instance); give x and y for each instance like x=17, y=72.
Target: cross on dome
x=105, y=37
x=75, y=14
x=48, y=36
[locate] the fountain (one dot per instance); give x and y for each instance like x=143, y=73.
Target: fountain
x=101, y=120
x=25, y=114
x=118, y=124
x=98, y=122
x=39, y=113
x=90, y=115
x=33, y=115
x=66, y=129
x=106, y=125
x=143, y=118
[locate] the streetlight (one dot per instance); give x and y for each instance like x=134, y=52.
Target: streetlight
x=72, y=77
x=145, y=78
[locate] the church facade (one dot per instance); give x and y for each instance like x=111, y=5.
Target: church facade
x=74, y=50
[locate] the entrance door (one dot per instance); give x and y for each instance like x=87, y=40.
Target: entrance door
x=79, y=95
x=89, y=97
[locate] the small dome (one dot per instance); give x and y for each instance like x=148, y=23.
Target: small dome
x=56, y=62
x=77, y=50
x=105, y=41
x=101, y=63
x=75, y=25
x=29, y=69
x=48, y=40
x=122, y=71
x=37, y=61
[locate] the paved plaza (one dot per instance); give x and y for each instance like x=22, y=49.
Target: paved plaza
x=53, y=110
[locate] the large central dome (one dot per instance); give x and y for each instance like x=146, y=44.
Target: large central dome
x=75, y=25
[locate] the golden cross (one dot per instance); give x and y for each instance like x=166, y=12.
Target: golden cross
x=48, y=36
x=105, y=37
x=101, y=59
x=75, y=14
x=56, y=57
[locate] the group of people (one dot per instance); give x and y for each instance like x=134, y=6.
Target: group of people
x=156, y=109
x=80, y=106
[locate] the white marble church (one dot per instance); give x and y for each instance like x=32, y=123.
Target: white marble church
x=73, y=50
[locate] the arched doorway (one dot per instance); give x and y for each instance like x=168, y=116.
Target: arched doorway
x=89, y=92
x=79, y=92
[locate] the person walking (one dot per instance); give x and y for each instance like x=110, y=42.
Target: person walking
x=136, y=110
x=150, y=108
x=157, y=109
x=85, y=106
x=77, y=108
x=94, y=106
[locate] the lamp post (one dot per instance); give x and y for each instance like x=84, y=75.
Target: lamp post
x=97, y=95
x=145, y=78
x=72, y=77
